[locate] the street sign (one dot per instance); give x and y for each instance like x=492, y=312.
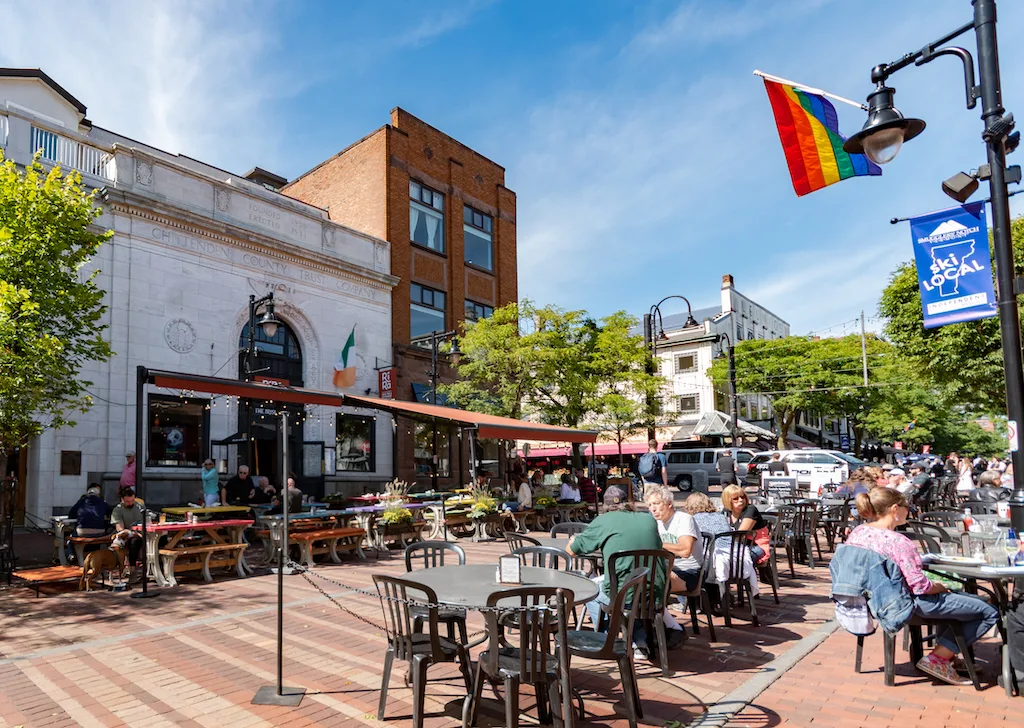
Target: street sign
x=954, y=266
x=844, y=443
x=386, y=383
x=1011, y=433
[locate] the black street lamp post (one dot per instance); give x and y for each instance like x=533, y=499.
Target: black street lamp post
x=435, y=338
x=269, y=323
x=884, y=133
x=733, y=409
x=654, y=331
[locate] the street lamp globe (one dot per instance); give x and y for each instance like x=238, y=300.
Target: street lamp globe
x=455, y=353
x=883, y=134
x=269, y=322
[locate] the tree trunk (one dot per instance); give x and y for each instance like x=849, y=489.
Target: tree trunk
x=785, y=422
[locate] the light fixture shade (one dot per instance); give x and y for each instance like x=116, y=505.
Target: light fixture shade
x=960, y=186
x=690, y=321
x=455, y=353
x=268, y=321
x=885, y=130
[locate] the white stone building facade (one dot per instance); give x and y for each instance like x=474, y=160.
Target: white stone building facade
x=686, y=355
x=191, y=244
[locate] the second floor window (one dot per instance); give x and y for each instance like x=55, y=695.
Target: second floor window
x=479, y=241
x=426, y=310
x=476, y=311
x=688, y=404
x=426, y=217
x=686, y=363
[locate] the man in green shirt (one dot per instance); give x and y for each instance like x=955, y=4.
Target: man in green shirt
x=619, y=528
x=129, y=512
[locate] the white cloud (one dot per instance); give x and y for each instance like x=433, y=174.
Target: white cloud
x=450, y=17
x=190, y=77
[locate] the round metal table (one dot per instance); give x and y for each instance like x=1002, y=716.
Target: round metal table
x=470, y=585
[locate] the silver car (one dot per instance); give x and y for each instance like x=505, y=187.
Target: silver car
x=684, y=462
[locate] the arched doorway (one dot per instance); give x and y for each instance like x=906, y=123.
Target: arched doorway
x=278, y=358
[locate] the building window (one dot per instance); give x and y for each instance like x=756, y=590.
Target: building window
x=476, y=311
x=479, y=241
x=178, y=428
x=426, y=217
x=423, y=440
x=750, y=334
x=689, y=404
x=488, y=454
x=686, y=363
x=354, y=444
x=739, y=332
x=427, y=310
x=70, y=462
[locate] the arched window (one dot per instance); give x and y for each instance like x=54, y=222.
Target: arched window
x=280, y=355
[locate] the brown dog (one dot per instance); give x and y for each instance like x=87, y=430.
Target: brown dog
x=108, y=559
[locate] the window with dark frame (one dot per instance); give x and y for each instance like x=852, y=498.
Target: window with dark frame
x=686, y=363
x=70, y=462
x=178, y=433
x=426, y=217
x=478, y=232
x=355, y=444
x=688, y=404
x=423, y=440
x=476, y=311
x=427, y=309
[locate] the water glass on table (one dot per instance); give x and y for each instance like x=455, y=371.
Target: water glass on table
x=948, y=548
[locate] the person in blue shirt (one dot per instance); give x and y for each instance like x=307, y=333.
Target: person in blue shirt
x=91, y=512
x=653, y=466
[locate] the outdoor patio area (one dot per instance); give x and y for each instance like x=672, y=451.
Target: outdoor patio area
x=196, y=656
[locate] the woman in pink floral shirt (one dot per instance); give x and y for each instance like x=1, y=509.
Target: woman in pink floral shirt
x=885, y=508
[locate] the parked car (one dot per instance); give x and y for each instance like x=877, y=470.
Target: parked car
x=684, y=462
x=811, y=468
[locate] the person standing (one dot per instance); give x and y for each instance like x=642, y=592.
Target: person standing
x=236, y=491
x=726, y=467
x=127, y=479
x=653, y=466
x=965, y=476
x=588, y=490
x=211, y=484
x=776, y=466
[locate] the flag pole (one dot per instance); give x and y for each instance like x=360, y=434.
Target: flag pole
x=810, y=89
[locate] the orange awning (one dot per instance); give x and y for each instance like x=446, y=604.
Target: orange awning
x=488, y=426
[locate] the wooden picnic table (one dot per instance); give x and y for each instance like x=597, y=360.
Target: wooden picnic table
x=218, y=537
x=63, y=527
x=210, y=512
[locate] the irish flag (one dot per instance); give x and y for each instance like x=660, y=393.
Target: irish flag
x=809, y=132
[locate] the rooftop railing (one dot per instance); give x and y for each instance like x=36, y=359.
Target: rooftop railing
x=73, y=154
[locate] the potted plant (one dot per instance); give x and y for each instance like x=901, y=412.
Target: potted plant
x=543, y=500
x=395, y=492
x=482, y=505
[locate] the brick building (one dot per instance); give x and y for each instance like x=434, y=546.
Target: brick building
x=452, y=226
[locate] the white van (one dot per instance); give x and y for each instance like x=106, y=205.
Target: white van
x=811, y=468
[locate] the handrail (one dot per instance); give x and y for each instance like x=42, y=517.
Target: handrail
x=73, y=154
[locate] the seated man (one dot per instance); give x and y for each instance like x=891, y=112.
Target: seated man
x=990, y=488
x=236, y=491
x=588, y=489
x=262, y=491
x=91, y=512
x=921, y=481
x=619, y=528
x=129, y=512
x=681, y=537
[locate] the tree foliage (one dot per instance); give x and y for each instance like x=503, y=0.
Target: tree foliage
x=964, y=360
x=50, y=308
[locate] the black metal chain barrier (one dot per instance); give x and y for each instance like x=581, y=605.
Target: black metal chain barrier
x=306, y=573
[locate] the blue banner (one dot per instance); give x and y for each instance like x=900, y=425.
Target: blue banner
x=954, y=267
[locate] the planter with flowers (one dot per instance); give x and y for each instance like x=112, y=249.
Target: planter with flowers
x=396, y=524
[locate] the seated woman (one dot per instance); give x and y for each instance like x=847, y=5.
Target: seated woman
x=744, y=516
x=884, y=509
x=524, y=497
x=713, y=522
x=569, y=492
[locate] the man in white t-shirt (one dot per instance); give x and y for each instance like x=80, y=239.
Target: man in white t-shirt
x=679, y=535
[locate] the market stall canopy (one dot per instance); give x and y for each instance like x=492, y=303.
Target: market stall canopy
x=628, y=448
x=487, y=426
x=718, y=423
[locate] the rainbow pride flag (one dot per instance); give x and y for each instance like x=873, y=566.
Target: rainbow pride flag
x=809, y=132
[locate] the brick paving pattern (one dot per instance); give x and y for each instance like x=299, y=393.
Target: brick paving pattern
x=196, y=656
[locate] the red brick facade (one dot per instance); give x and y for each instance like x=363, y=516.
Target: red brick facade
x=366, y=187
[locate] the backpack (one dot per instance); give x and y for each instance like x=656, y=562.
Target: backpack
x=649, y=467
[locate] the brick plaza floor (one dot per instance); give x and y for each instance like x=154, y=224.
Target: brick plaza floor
x=196, y=655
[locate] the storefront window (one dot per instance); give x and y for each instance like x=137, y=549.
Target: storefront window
x=423, y=438
x=178, y=428
x=488, y=458
x=354, y=444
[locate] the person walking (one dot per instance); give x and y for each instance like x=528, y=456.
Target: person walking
x=726, y=467
x=127, y=479
x=652, y=466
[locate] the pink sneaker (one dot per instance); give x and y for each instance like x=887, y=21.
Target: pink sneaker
x=940, y=670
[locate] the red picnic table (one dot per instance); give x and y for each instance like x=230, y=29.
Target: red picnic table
x=200, y=546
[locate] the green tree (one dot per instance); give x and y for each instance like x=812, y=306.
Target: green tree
x=965, y=360
x=50, y=306
x=622, y=415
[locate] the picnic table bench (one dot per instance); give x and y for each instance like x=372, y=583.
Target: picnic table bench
x=35, y=578
x=518, y=520
x=328, y=541
x=220, y=544
x=80, y=542
x=201, y=558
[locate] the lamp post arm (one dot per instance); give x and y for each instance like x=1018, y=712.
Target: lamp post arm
x=881, y=72
x=972, y=91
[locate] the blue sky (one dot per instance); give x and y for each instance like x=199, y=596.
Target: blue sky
x=641, y=148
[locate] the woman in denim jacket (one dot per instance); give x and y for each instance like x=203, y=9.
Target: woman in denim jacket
x=883, y=509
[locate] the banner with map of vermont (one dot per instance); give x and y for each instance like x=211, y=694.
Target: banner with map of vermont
x=954, y=268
